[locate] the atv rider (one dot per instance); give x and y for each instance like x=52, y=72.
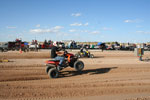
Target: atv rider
x=57, y=55
x=84, y=51
x=81, y=50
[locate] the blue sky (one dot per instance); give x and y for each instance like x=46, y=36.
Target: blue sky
x=79, y=20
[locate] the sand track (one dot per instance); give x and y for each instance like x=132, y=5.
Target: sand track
x=111, y=74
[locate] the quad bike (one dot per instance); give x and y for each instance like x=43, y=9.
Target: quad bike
x=84, y=54
x=70, y=60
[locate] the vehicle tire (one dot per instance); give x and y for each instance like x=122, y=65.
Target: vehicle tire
x=76, y=55
x=91, y=56
x=13, y=49
x=53, y=73
x=71, y=64
x=47, y=69
x=1, y=50
x=79, y=56
x=5, y=50
x=78, y=65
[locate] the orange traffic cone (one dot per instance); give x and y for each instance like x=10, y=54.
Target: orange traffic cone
x=20, y=51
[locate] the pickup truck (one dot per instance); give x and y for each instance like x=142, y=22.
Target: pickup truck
x=4, y=47
x=33, y=47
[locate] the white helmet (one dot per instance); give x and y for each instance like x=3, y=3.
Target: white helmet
x=55, y=43
x=60, y=46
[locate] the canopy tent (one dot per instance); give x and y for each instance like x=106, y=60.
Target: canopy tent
x=99, y=43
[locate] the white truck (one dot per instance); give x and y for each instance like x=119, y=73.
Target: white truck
x=3, y=47
x=33, y=47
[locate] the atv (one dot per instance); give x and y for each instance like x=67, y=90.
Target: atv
x=84, y=54
x=70, y=60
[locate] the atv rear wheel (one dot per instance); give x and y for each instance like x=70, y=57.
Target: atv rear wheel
x=53, y=73
x=47, y=69
x=78, y=65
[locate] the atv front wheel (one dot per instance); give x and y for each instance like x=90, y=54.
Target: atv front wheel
x=53, y=73
x=78, y=55
x=78, y=65
x=91, y=56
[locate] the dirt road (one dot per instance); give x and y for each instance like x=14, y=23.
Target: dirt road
x=111, y=75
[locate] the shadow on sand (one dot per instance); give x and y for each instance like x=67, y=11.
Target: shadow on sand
x=88, y=71
x=92, y=58
x=98, y=56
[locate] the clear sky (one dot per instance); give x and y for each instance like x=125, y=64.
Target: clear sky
x=79, y=20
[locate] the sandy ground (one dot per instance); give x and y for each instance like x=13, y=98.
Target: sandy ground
x=111, y=75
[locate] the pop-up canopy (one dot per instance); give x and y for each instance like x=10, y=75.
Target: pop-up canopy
x=99, y=43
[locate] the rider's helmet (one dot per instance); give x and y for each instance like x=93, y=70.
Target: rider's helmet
x=54, y=43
